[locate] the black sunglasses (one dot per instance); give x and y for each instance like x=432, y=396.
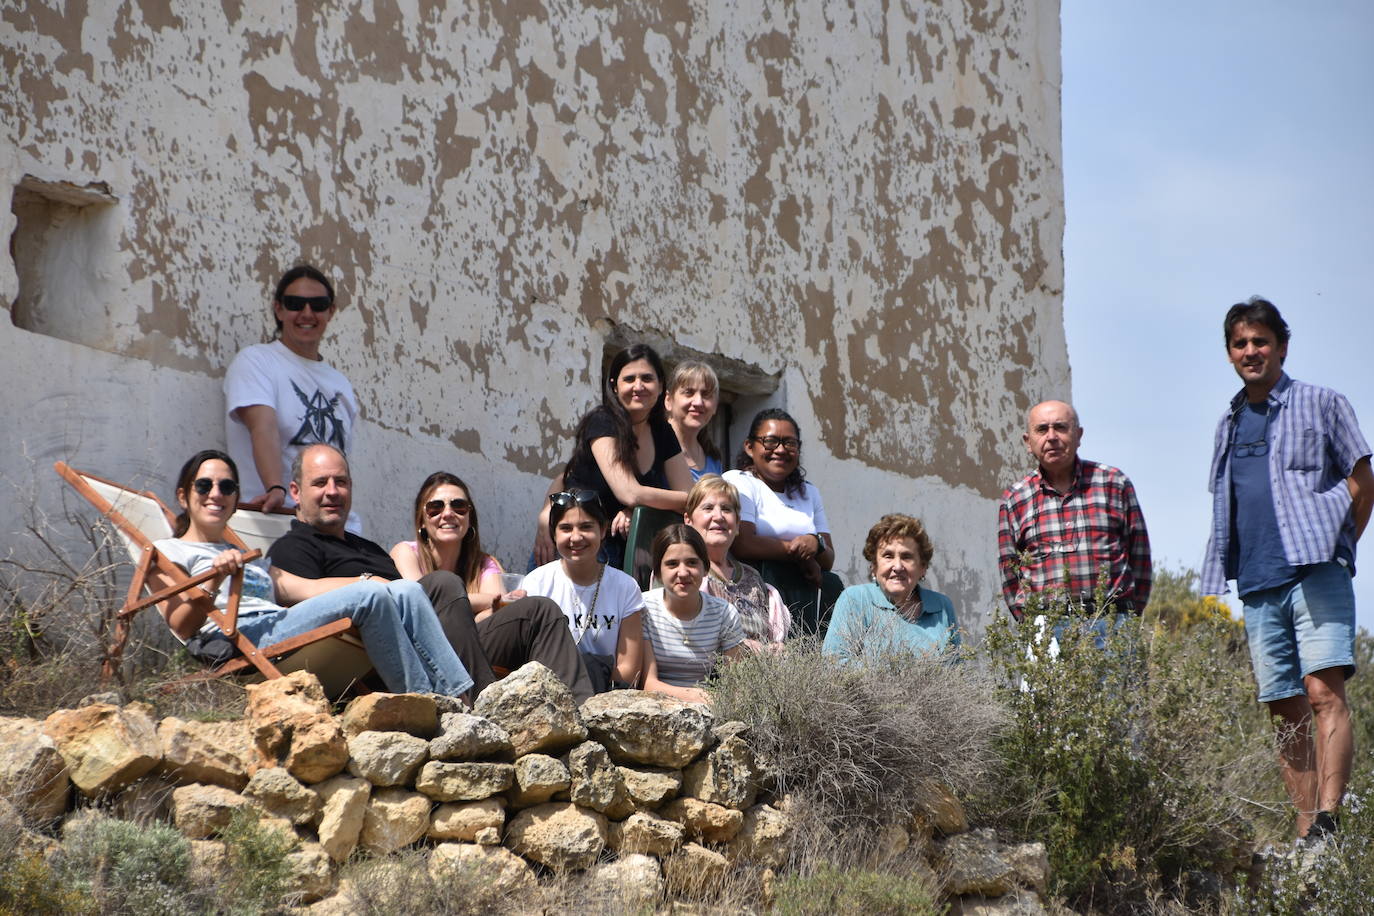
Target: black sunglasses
x=203, y=486
x=435, y=507
x=316, y=303
x=569, y=498
x=772, y=443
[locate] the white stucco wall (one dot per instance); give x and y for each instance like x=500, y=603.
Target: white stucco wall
x=866, y=203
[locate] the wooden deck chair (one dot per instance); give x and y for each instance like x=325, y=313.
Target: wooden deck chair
x=645, y=523
x=333, y=652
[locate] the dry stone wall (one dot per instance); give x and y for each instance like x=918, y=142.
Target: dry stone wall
x=651, y=793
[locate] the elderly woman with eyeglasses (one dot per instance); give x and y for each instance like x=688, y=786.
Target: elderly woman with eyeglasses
x=603, y=605
x=783, y=531
x=281, y=396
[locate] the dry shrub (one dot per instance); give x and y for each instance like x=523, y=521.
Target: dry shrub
x=829, y=890
x=854, y=745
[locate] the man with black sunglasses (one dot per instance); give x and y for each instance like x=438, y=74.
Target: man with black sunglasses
x=320, y=547
x=1291, y=494
x=282, y=395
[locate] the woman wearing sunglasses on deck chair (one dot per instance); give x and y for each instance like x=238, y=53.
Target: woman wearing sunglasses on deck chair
x=399, y=629
x=602, y=604
x=281, y=396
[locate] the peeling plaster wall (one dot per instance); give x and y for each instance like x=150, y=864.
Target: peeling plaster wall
x=866, y=202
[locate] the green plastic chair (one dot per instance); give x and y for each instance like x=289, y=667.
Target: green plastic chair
x=645, y=523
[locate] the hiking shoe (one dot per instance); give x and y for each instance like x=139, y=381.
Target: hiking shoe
x=1323, y=825
x=1318, y=839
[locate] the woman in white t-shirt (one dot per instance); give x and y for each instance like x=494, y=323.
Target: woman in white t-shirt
x=281, y=396
x=686, y=629
x=603, y=605
x=783, y=531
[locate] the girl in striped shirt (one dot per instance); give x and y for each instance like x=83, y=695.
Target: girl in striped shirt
x=685, y=627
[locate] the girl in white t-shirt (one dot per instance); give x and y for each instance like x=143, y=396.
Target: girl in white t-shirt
x=686, y=629
x=603, y=605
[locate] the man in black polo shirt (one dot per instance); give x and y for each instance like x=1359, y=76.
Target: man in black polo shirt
x=318, y=547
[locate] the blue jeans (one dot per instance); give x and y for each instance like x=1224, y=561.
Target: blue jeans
x=1301, y=628
x=1099, y=628
x=400, y=632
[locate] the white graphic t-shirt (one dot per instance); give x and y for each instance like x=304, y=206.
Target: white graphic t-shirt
x=314, y=402
x=593, y=616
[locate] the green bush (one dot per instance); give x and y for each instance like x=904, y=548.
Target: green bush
x=30, y=887
x=258, y=870
x=127, y=868
x=829, y=890
x=1135, y=764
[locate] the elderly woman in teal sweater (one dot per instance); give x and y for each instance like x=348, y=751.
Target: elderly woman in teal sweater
x=894, y=613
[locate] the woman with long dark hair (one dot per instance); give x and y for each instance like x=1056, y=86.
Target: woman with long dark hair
x=399, y=628
x=625, y=451
x=448, y=536
x=783, y=531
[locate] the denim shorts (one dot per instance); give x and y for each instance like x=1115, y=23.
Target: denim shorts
x=1301, y=628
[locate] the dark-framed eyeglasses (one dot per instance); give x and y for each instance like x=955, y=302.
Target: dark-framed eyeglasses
x=316, y=303
x=569, y=498
x=773, y=443
x=435, y=507
x=1257, y=449
x=227, y=486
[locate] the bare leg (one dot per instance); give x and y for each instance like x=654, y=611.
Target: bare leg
x=1297, y=762
x=1335, y=741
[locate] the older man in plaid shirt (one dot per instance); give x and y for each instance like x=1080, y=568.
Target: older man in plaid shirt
x=1292, y=492
x=1072, y=526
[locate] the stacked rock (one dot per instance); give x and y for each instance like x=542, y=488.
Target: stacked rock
x=647, y=790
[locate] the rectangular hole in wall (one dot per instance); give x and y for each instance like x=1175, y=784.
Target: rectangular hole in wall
x=62, y=246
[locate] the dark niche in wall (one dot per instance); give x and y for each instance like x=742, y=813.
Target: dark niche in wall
x=63, y=246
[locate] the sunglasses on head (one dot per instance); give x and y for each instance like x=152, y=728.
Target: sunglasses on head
x=435, y=507
x=569, y=498
x=203, y=486
x=316, y=303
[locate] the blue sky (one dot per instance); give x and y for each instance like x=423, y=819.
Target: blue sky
x=1212, y=151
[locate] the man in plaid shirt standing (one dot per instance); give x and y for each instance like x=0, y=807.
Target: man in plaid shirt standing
x=1291, y=494
x=1072, y=525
